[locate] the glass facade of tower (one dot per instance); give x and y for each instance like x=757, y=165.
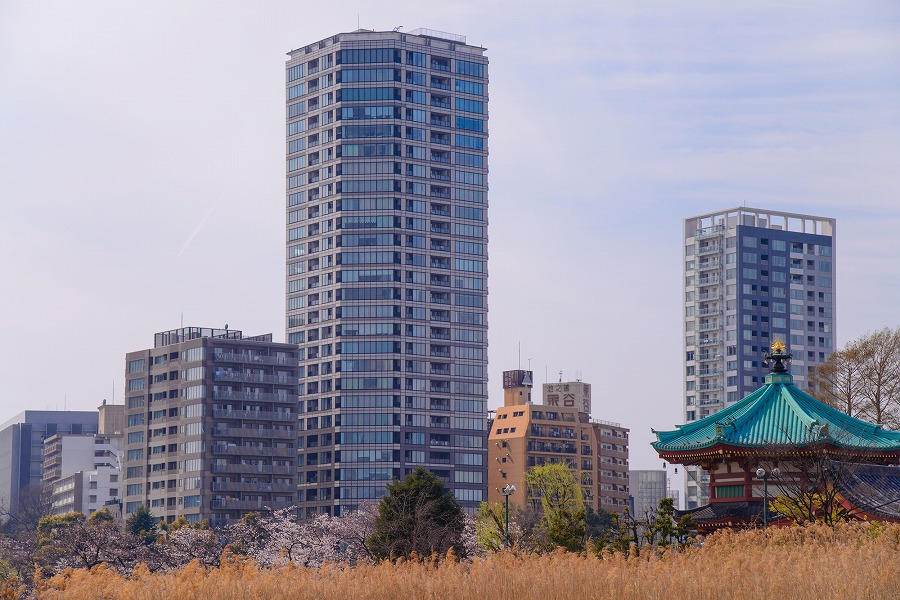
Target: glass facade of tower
x=751, y=277
x=387, y=262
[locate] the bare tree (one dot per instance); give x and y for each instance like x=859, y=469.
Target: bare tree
x=838, y=381
x=33, y=504
x=881, y=371
x=863, y=379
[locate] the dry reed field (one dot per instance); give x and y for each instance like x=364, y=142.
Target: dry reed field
x=850, y=561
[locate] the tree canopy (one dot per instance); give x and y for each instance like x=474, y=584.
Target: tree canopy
x=417, y=515
x=562, y=502
x=863, y=378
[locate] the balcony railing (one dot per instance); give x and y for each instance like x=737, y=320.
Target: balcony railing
x=254, y=450
x=708, y=232
x=254, y=432
x=711, y=249
x=709, y=372
x=250, y=358
x=262, y=415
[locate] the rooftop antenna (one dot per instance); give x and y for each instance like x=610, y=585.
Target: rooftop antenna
x=398, y=27
x=560, y=376
x=520, y=356
x=529, y=363
x=182, y=319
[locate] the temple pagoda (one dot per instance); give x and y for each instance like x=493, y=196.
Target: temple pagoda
x=784, y=431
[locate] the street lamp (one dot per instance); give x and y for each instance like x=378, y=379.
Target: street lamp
x=764, y=475
x=507, y=491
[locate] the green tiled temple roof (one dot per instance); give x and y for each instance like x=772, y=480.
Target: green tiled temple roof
x=777, y=414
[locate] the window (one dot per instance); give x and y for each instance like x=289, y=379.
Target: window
x=472, y=106
x=729, y=491
x=470, y=124
x=472, y=69
x=469, y=87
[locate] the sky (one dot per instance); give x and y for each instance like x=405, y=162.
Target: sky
x=142, y=174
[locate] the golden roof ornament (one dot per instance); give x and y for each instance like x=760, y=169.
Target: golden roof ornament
x=778, y=356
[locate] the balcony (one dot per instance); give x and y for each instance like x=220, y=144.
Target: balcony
x=709, y=232
x=440, y=212
x=254, y=432
x=711, y=249
x=436, y=66
x=440, y=176
x=440, y=193
x=439, y=354
x=237, y=486
x=709, y=357
x=709, y=387
x=250, y=358
x=709, y=296
x=252, y=396
x=440, y=104
x=440, y=86
x=260, y=415
x=237, y=468
x=710, y=342
x=710, y=280
x=709, y=327
x=439, y=158
x=708, y=266
x=709, y=372
x=707, y=312
x=253, y=450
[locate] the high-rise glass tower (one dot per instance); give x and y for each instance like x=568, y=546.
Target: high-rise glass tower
x=387, y=262
x=752, y=276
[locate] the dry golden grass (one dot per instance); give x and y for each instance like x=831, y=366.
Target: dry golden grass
x=851, y=561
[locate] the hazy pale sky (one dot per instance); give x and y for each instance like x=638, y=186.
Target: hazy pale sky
x=142, y=174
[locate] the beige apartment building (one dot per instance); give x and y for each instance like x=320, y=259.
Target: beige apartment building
x=559, y=430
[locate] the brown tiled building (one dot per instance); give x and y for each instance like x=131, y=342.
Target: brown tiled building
x=559, y=430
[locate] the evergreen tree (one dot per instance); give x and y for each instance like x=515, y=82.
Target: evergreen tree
x=418, y=515
x=142, y=524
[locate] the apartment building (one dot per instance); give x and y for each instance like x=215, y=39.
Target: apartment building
x=211, y=425
x=387, y=262
x=559, y=430
x=752, y=276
